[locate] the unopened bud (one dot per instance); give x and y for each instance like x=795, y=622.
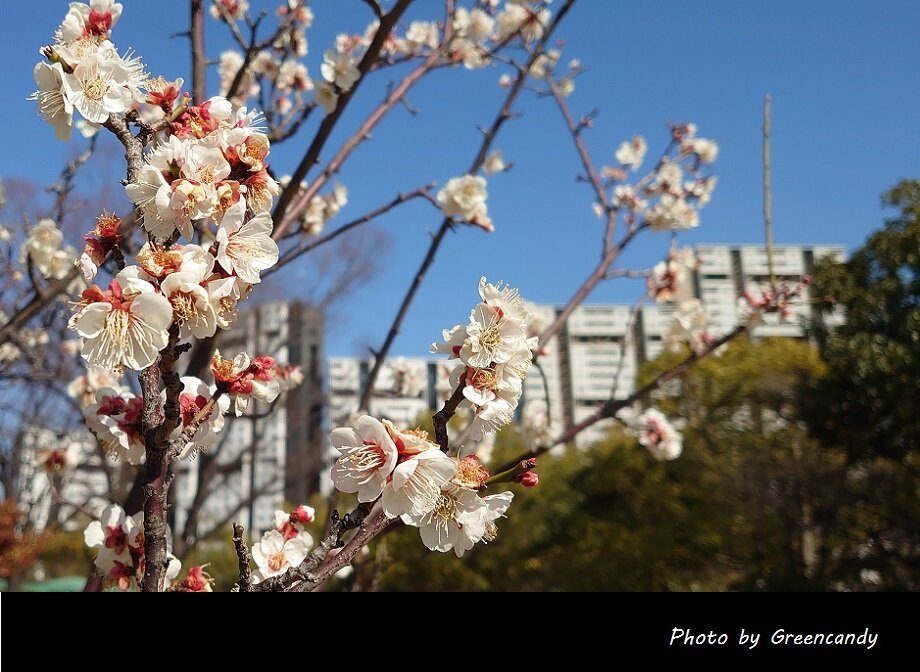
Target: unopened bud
x=530, y=480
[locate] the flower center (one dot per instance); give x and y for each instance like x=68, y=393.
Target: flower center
x=444, y=509
x=206, y=174
x=184, y=307
x=491, y=338
x=363, y=463
x=116, y=326
x=482, y=379
x=277, y=561
x=95, y=88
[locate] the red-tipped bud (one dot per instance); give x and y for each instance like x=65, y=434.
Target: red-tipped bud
x=530, y=480
x=303, y=514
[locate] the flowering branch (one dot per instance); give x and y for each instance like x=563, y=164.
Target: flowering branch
x=281, y=216
x=504, y=114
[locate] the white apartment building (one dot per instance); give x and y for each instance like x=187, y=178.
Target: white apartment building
x=264, y=459
x=598, y=353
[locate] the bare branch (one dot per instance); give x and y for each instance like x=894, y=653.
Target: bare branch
x=442, y=417
x=199, y=55
x=294, y=253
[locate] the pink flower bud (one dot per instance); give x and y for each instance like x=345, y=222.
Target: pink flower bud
x=303, y=514
x=530, y=480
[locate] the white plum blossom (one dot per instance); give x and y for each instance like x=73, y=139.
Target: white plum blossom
x=245, y=378
x=670, y=280
x=115, y=420
x=494, y=163
x=275, y=555
x=624, y=196
x=340, y=69
x=42, y=248
x=234, y=10
x=54, y=105
x=706, y=150
x=659, y=436
x=325, y=96
x=416, y=484
x=456, y=522
x=465, y=197
x=246, y=248
x=93, y=20
x=368, y=457
x=126, y=326
x=421, y=35
x=632, y=152
x=99, y=87
x=672, y=214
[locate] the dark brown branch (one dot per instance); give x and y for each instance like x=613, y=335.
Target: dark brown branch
x=443, y=417
x=199, y=55
x=157, y=427
x=242, y=554
x=504, y=114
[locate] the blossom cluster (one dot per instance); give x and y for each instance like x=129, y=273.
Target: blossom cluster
x=285, y=545
x=84, y=72
x=118, y=542
x=778, y=299
x=670, y=196
x=417, y=482
x=279, y=72
x=495, y=353
x=114, y=416
x=42, y=250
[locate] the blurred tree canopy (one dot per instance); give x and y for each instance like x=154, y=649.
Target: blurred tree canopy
x=869, y=400
x=749, y=505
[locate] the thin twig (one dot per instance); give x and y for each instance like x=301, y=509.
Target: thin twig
x=296, y=252
x=612, y=406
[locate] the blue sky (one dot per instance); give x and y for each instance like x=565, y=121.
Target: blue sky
x=844, y=75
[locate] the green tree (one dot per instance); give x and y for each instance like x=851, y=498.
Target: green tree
x=869, y=401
